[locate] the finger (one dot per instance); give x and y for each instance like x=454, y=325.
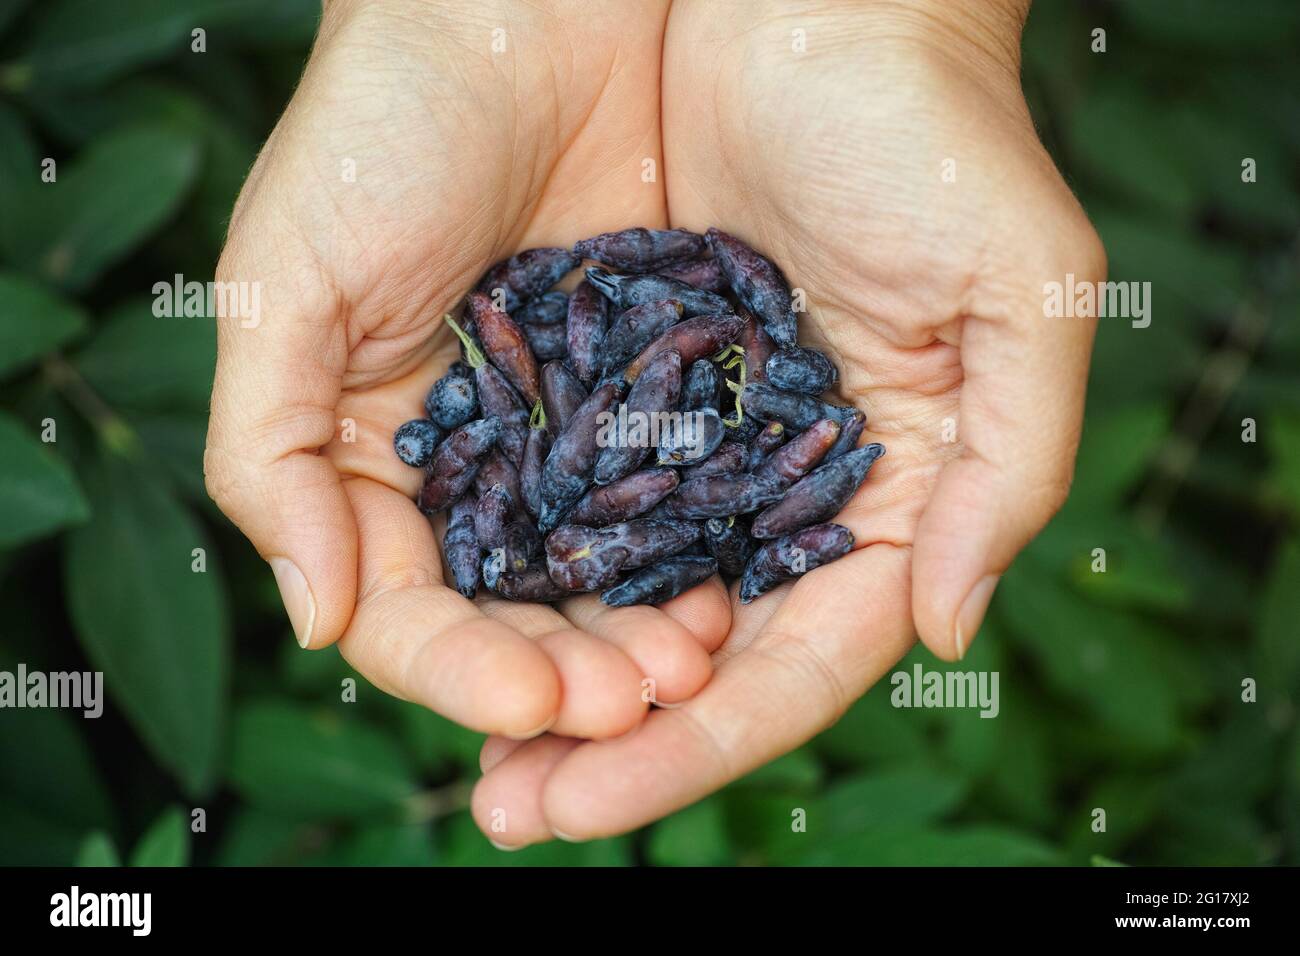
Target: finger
x=671, y=659
x=277, y=381
x=602, y=692
x=705, y=611
x=417, y=639
x=818, y=653
x=495, y=750
x=1020, y=416
x=507, y=804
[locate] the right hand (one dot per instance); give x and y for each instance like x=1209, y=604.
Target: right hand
x=461, y=155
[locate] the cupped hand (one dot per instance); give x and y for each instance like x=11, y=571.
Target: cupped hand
x=892, y=167
x=421, y=146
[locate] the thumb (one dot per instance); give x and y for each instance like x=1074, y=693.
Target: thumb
x=278, y=380
x=1020, y=415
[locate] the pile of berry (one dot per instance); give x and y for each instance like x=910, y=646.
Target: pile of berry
x=548, y=497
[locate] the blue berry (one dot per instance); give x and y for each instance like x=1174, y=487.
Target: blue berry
x=801, y=370
x=416, y=440
x=453, y=400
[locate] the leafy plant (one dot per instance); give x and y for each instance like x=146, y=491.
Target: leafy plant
x=1146, y=643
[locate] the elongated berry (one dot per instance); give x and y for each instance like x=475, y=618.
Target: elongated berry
x=701, y=387
x=536, y=448
x=819, y=495
x=852, y=422
x=548, y=342
x=720, y=496
x=505, y=346
x=704, y=274
x=566, y=475
x=586, y=559
x=626, y=441
x=660, y=582
x=729, y=458
x=640, y=250
x=793, y=555
x=460, y=547
x=691, y=438
x=801, y=370
x=795, y=410
x=585, y=331
x=768, y=440
x=415, y=441
x=491, y=515
x=758, y=284
x=456, y=462
x=635, y=328
x=562, y=394
x=757, y=345
x=694, y=339
x=551, y=308
x=498, y=399
x=624, y=499
x=794, y=460
x=498, y=469
x=530, y=273
x=531, y=584
x=626, y=291
x=728, y=541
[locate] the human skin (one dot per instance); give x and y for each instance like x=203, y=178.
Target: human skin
x=926, y=292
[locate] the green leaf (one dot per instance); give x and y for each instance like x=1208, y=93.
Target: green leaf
x=28, y=838
x=1117, y=136
x=287, y=759
x=1277, y=636
x=113, y=198
x=1212, y=25
x=98, y=850
x=38, y=494
x=80, y=43
x=33, y=321
x=156, y=628
x=179, y=354
x=466, y=846
x=46, y=766
x=1116, y=667
x=798, y=770
x=888, y=798
x=964, y=846
x=256, y=838
x=19, y=178
x=9, y=11
x=696, y=836
x=165, y=843
x=385, y=844
x=1284, y=446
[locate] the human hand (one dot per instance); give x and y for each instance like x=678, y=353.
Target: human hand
x=928, y=294
x=412, y=156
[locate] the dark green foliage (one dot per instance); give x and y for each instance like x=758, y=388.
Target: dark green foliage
x=1120, y=690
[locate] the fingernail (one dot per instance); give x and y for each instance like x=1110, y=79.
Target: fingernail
x=971, y=614
x=505, y=848
x=297, y=598
x=534, y=733
x=564, y=836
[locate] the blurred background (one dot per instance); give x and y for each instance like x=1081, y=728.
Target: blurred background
x=1120, y=690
